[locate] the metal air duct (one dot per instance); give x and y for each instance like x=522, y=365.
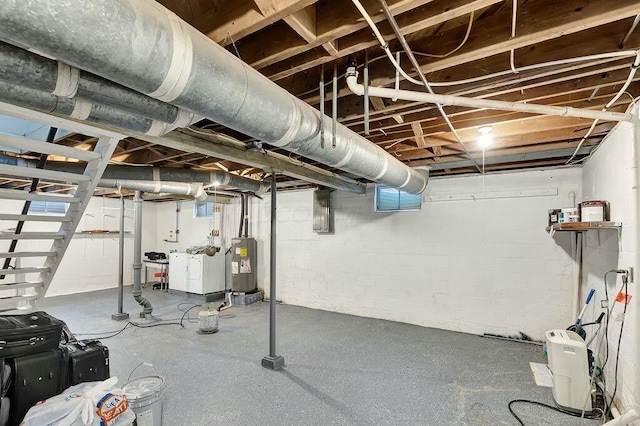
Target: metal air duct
x=18, y=66
x=149, y=49
x=194, y=190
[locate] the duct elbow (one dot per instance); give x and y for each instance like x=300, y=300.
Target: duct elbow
x=200, y=195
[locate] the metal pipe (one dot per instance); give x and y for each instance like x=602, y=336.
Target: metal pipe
x=167, y=174
x=194, y=190
x=366, y=93
x=78, y=109
x=171, y=61
x=137, y=256
x=246, y=215
x=272, y=270
x=241, y=215
x=383, y=92
x=24, y=68
x=121, y=258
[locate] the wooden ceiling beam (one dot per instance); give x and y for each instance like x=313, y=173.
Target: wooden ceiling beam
x=588, y=42
x=357, y=37
x=225, y=22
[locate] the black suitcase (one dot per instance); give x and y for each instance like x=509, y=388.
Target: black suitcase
x=88, y=361
x=35, y=378
x=22, y=335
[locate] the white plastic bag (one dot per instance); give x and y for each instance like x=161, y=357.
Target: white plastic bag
x=95, y=404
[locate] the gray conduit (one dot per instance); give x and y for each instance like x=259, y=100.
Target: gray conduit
x=18, y=66
x=137, y=256
x=80, y=110
x=149, y=49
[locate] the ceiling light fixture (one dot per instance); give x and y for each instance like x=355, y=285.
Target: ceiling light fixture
x=485, y=138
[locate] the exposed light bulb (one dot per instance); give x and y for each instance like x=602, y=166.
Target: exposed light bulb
x=485, y=138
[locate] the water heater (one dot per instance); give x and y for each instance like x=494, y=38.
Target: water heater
x=244, y=265
x=569, y=365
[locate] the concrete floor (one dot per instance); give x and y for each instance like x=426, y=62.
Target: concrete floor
x=340, y=369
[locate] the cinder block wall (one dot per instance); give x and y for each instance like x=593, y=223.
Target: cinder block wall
x=483, y=266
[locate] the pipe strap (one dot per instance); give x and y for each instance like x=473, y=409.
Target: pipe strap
x=179, y=71
x=67, y=81
x=81, y=110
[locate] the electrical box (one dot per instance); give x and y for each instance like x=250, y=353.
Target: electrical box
x=244, y=265
x=322, y=211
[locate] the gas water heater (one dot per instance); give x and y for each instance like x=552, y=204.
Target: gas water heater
x=244, y=265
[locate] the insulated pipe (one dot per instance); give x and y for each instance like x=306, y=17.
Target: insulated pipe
x=168, y=174
x=18, y=66
x=78, y=109
x=449, y=100
x=194, y=190
x=137, y=256
x=149, y=49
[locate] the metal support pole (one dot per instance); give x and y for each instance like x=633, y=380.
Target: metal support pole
x=120, y=315
x=137, y=257
x=273, y=361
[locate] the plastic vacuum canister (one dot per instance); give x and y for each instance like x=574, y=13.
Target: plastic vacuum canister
x=144, y=396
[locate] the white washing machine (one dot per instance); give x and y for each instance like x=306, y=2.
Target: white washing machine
x=197, y=273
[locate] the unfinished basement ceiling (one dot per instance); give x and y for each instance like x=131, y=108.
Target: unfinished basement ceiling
x=292, y=42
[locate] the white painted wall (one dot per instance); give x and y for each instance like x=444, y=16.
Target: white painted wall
x=609, y=175
x=483, y=266
x=91, y=261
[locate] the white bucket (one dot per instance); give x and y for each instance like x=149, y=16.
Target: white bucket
x=144, y=396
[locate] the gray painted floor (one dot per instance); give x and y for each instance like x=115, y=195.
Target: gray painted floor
x=340, y=369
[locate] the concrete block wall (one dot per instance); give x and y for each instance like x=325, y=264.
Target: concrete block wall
x=483, y=266
x=609, y=175
x=91, y=261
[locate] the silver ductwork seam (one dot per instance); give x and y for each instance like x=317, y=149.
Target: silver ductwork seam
x=149, y=49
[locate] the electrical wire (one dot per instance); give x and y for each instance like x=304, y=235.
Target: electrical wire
x=622, y=90
x=512, y=53
x=464, y=40
x=542, y=404
x=624, y=315
x=424, y=82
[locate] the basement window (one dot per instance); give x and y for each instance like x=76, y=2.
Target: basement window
x=389, y=199
x=48, y=208
x=203, y=209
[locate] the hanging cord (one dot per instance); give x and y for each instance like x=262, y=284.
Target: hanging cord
x=464, y=40
x=414, y=63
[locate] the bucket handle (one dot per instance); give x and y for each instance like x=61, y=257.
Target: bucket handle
x=140, y=365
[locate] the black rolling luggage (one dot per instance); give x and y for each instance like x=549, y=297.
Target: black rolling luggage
x=88, y=361
x=22, y=335
x=36, y=377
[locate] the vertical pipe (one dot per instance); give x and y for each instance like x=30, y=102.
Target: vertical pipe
x=137, y=256
x=121, y=257
x=246, y=215
x=334, y=104
x=272, y=272
x=322, y=106
x=366, y=92
x=636, y=166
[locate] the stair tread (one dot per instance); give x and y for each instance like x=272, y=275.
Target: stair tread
x=25, y=270
x=15, y=194
x=20, y=284
x=46, y=175
x=27, y=254
x=34, y=218
x=30, y=145
x=32, y=236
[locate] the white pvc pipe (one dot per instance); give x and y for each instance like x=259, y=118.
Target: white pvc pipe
x=383, y=92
